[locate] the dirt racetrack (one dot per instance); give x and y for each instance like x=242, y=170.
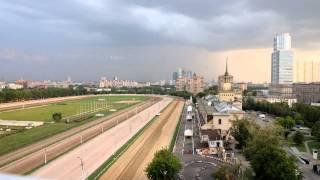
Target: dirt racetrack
x=80, y=162
x=132, y=163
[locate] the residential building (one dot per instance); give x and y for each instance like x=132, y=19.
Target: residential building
x=242, y=86
x=2, y=85
x=283, y=90
x=216, y=119
x=193, y=85
x=290, y=100
x=14, y=86
x=282, y=60
x=307, y=93
x=116, y=83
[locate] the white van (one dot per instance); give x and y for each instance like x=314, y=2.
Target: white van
x=262, y=116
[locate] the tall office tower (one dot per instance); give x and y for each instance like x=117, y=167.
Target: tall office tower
x=175, y=76
x=189, y=74
x=180, y=72
x=282, y=60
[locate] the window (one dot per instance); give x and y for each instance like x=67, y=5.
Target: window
x=219, y=121
x=218, y=144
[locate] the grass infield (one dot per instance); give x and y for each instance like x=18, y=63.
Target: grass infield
x=25, y=137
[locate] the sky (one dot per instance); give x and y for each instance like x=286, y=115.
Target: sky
x=147, y=40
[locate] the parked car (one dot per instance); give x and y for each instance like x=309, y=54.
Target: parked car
x=316, y=169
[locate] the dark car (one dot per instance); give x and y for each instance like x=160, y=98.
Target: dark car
x=316, y=169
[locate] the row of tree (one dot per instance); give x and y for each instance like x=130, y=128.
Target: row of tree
x=10, y=95
x=263, y=148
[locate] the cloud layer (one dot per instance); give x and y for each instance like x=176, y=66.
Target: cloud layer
x=145, y=33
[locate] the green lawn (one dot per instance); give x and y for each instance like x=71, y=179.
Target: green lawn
x=300, y=147
x=67, y=108
x=25, y=137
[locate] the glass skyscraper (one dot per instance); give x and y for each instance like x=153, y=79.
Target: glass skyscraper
x=282, y=60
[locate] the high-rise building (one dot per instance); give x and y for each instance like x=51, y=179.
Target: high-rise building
x=181, y=73
x=189, y=74
x=282, y=60
x=175, y=76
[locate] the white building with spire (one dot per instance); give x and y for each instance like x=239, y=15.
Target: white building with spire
x=225, y=86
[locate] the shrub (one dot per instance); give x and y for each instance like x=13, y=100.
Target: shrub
x=57, y=116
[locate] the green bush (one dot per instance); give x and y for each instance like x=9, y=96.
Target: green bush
x=57, y=116
x=298, y=138
x=163, y=166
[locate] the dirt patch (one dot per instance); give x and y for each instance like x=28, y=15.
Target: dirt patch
x=128, y=102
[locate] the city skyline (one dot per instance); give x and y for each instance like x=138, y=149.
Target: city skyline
x=45, y=42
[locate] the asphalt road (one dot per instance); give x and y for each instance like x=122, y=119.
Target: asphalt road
x=194, y=166
x=80, y=162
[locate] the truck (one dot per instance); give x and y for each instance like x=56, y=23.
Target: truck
x=188, y=133
x=189, y=109
x=189, y=117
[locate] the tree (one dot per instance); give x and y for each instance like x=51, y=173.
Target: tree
x=298, y=138
x=226, y=172
x=316, y=130
x=240, y=132
x=201, y=94
x=163, y=166
x=57, y=116
x=271, y=162
x=254, y=93
x=286, y=122
x=267, y=158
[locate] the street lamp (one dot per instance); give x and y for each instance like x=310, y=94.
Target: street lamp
x=81, y=164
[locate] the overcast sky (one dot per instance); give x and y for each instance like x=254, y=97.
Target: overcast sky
x=148, y=39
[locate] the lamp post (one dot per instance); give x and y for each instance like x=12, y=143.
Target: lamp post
x=81, y=164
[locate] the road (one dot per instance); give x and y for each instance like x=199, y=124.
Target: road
x=253, y=116
x=194, y=165
x=18, y=161
x=158, y=135
x=96, y=151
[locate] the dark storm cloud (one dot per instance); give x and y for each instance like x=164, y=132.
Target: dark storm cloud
x=66, y=31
